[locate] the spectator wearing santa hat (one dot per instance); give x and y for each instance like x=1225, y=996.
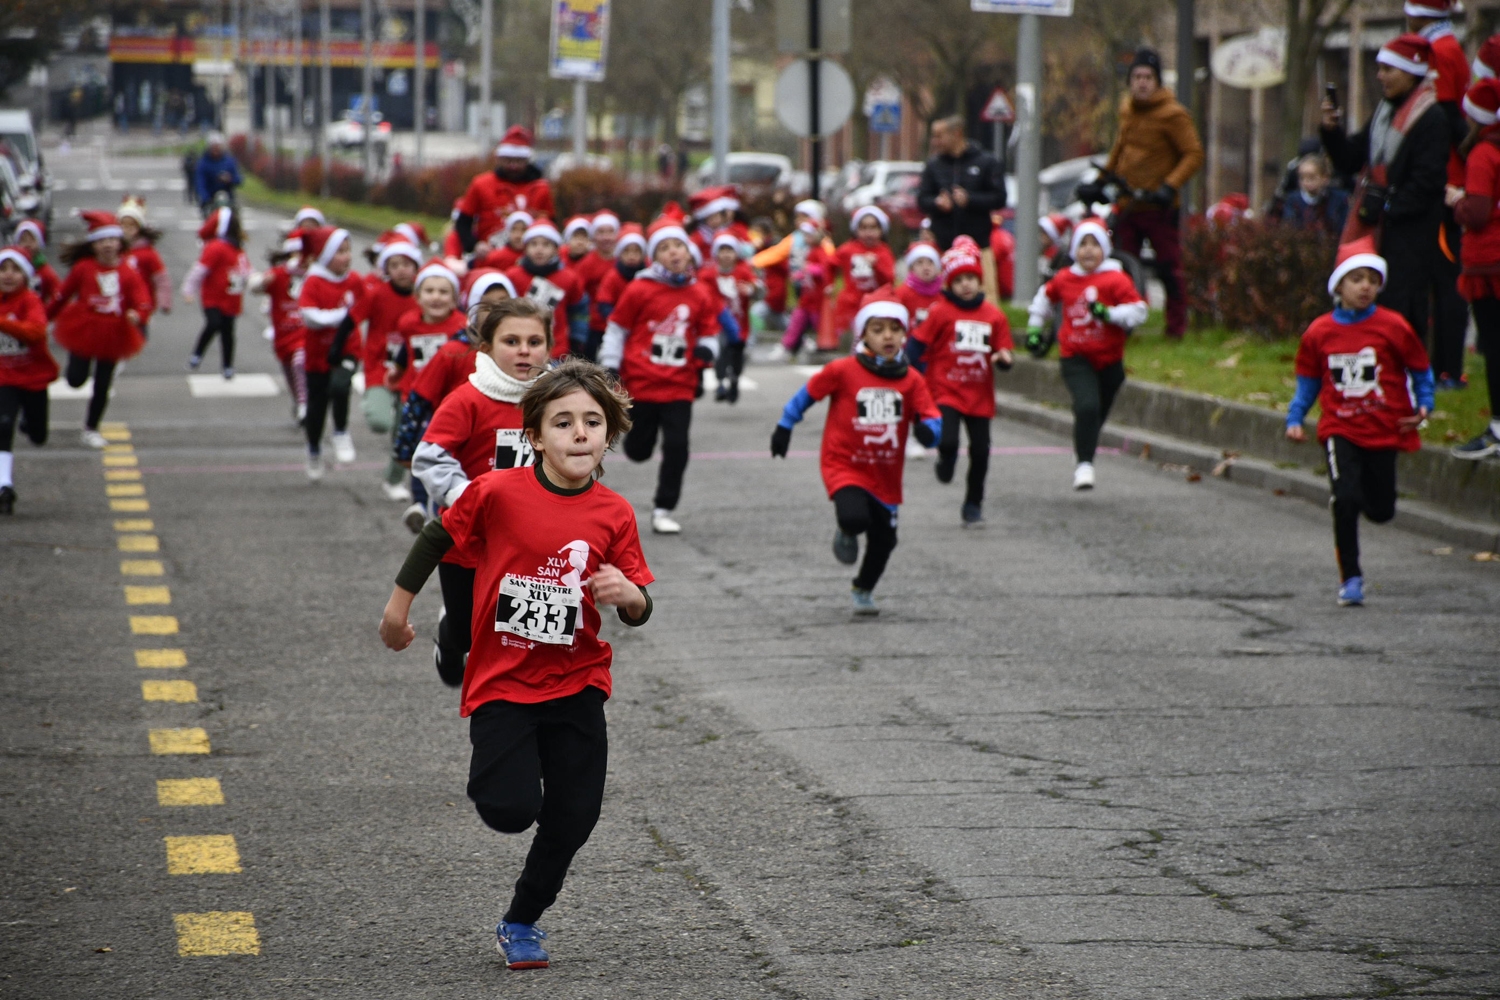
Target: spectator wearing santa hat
x=865, y=262
x=140, y=252
x=1401, y=156
x=31, y=239
x=731, y=281
x=332, y=304
x=874, y=399
x=26, y=366
x=541, y=277
x=963, y=340
x=219, y=278
x=805, y=255
x=1479, y=212
x=515, y=184
x=1366, y=369
x=1097, y=306
x=661, y=332
x=99, y=314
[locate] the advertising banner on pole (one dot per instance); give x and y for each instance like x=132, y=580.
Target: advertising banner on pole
x=580, y=39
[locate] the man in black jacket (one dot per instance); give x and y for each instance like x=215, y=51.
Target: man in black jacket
x=961, y=186
x=1401, y=156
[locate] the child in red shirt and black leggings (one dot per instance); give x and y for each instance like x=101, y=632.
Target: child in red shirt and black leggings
x=551, y=547
x=874, y=396
x=1367, y=370
x=26, y=366
x=220, y=276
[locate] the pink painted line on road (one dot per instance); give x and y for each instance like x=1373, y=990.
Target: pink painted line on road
x=180, y=470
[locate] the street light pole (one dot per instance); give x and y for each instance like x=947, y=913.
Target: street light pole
x=721, y=90
x=1028, y=154
x=367, y=95
x=486, y=70
x=419, y=89
x=580, y=121
x=325, y=74
x=814, y=98
x=297, y=68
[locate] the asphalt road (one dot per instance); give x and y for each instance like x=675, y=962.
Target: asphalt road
x=1118, y=745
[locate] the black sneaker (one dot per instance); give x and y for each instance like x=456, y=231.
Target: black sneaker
x=845, y=548
x=1485, y=445
x=722, y=392
x=7, y=500
x=450, y=668
x=733, y=395
x=943, y=467
x=973, y=515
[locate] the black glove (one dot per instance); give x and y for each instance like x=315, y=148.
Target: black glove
x=923, y=434
x=1099, y=311
x=781, y=440
x=704, y=353
x=1091, y=194
x=1164, y=195
x=1004, y=365
x=341, y=376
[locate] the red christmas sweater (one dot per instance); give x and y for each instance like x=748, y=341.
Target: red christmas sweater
x=728, y=291
x=864, y=268
x=1079, y=332
x=385, y=307
x=90, y=307
x=502, y=259
x=148, y=264
x=607, y=294
x=662, y=326
x=228, y=272
x=535, y=625
x=559, y=291
x=25, y=362
x=1362, y=367
x=46, y=283
x=481, y=434
x=869, y=416
x=918, y=304
x=325, y=301
x=959, y=344
x=421, y=341
x=592, y=268
x=449, y=368
x=280, y=286
x=490, y=198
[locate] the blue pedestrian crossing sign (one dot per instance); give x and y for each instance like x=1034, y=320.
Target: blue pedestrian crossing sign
x=885, y=118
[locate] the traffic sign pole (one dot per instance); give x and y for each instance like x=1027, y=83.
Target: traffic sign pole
x=813, y=74
x=1028, y=154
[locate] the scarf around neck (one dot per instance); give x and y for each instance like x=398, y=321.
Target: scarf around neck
x=491, y=380
x=657, y=271
x=536, y=270
x=924, y=287
x=892, y=369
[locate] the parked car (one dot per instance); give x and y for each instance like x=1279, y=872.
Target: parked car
x=18, y=139
x=349, y=131
x=1060, y=182
x=11, y=212
x=752, y=172
x=878, y=178
x=563, y=162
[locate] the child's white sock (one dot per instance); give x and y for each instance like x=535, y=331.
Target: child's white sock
x=7, y=461
x=1495, y=428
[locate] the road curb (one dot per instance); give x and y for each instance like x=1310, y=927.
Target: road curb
x=1412, y=515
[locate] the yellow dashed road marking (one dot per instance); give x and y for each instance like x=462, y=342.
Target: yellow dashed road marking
x=114, y=431
x=118, y=449
x=124, y=490
x=120, y=461
x=134, y=524
x=148, y=595
x=189, y=792
x=160, y=658
x=122, y=475
x=180, y=691
x=216, y=933
x=141, y=567
x=130, y=506
x=153, y=624
x=138, y=543
x=215, y=854
x=169, y=741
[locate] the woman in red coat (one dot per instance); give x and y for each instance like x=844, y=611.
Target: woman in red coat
x=99, y=314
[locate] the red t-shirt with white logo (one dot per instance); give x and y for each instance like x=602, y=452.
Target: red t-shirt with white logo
x=323, y=292
x=865, y=268
x=449, y=368
x=422, y=341
x=1363, y=369
x=535, y=625
x=490, y=198
x=385, y=307
x=228, y=273
x=286, y=319
x=558, y=291
x=864, y=438
x=1079, y=332
x=959, y=344
x=25, y=362
x=917, y=304
x=663, y=325
x=726, y=294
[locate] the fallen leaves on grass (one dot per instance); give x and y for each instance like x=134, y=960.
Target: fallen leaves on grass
x=1230, y=362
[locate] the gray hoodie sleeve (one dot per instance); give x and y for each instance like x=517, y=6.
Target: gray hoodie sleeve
x=440, y=472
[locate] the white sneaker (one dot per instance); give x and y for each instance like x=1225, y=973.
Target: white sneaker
x=300, y=414
x=396, y=492
x=1083, y=476
x=92, y=438
x=662, y=523
x=415, y=518
x=343, y=448
x=914, y=450
x=778, y=353
x=314, y=467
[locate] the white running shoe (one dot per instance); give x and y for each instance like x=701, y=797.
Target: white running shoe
x=314, y=467
x=663, y=524
x=92, y=438
x=778, y=354
x=914, y=450
x=300, y=414
x=396, y=492
x=343, y=448
x=1083, y=476
x=415, y=518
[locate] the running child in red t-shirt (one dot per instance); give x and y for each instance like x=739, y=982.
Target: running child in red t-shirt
x=874, y=397
x=140, y=253
x=1098, y=305
x=26, y=366
x=331, y=302
x=423, y=334
x=1367, y=370
x=551, y=546
x=865, y=262
x=31, y=239
x=732, y=280
x=541, y=277
x=280, y=283
x=964, y=335
x=478, y=429
x=219, y=277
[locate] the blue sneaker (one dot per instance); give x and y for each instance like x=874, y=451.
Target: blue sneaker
x=521, y=945
x=845, y=548
x=864, y=603
x=1352, y=592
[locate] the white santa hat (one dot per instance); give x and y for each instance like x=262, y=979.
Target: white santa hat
x=438, y=271
x=398, y=249
x=726, y=240
x=518, y=216
x=874, y=213
x=484, y=283
x=410, y=232
x=20, y=260
x=923, y=251
x=606, y=218
x=1431, y=8
x=34, y=228
x=1091, y=227
x=575, y=224
x=631, y=239
x=515, y=143
x=1354, y=255
x=308, y=212
x=811, y=208
x=543, y=229
x=881, y=304
x=1409, y=53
